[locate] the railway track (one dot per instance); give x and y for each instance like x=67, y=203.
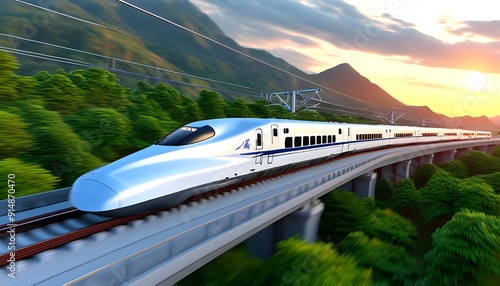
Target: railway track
x=41, y=233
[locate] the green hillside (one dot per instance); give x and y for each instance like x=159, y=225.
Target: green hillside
x=158, y=44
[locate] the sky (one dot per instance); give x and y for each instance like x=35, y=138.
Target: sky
x=441, y=54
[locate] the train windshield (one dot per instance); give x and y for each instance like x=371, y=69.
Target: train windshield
x=187, y=135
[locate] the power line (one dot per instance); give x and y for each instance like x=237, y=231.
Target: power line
x=89, y=65
x=150, y=40
x=130, y=62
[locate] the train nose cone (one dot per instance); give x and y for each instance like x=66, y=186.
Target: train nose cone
x=92, y=196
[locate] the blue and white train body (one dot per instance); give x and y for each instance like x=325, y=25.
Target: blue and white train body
x=206, y=155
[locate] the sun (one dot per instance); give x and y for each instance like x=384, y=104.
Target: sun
x=476, y=81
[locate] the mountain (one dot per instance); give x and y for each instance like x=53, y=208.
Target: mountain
x=168, y=53
x=495, y=120
x=345, y=79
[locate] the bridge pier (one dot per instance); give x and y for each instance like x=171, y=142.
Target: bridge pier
x=444, y=156
x=490, y=148
x=483, y=148
x=303, y=222
x=460, y=152
x=364, y=186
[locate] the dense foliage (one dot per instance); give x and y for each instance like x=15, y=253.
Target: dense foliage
x=66, y=123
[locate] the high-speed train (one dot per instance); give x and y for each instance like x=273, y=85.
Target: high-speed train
x=206, y=155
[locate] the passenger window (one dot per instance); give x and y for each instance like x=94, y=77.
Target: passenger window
x=340, y=131
x=329, y=138
x=313, y=140
x=318, y=138
x=306, y=141
x=324, y=139
x=298, y=141
x=334, y=138
x=288, y=142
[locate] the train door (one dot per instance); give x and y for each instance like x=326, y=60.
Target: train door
x=340, y=138
x=348, y=138
x=274, y=143
x=259, y=145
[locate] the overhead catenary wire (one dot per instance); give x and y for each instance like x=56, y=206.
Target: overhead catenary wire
x=147, y=39
x=130, y=62
x=89, y=65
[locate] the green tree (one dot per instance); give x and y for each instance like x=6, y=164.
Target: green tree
x=309, y=115
x=464, y=251
x=15, y=137
x=496, y=151
x=193, y=111
x=423, y=175
x=29, y=178
x=479, y=163
x=383, y=192
x=298, y=263
x=439, y=196
x=477, y=195
x=392, y=265
x=147, y=129
x=238, y=109
x=59, y=93
x=56, y=147
x=8, y=78
x=212, y=105
x=405, y=198
x=169, y=100
x=493, y=180
x=391, y=228
x=104, y=129
x=234, y=267
x=260, y=109
x=455, y=167
x=279, y=111
x=344, y=213
x=100, y=87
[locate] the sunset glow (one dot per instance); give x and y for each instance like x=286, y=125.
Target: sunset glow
x=444, y=55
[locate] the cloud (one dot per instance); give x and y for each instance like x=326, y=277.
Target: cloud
x=415, y=81
x=344, y=26
x=488, y=29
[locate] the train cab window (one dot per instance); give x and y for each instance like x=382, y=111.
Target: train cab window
x=313, y=140
x=298, y=141
x=259, y=140
x=318, y=139
x=288, y=142
x=340, y=131
x=306, y=141
x=187, y=135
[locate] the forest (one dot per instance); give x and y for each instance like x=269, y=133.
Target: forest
x=57, y=126
x=439, y=227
